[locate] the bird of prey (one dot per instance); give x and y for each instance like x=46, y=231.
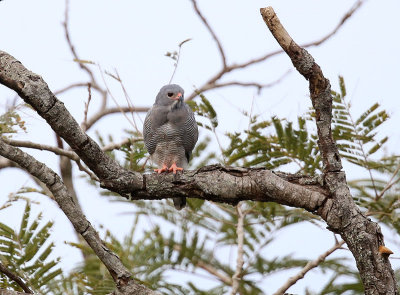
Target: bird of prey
x=170, y=133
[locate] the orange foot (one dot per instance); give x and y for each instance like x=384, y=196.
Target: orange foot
x=163, y=169
x=175, y=168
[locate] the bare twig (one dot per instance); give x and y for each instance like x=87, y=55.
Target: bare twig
x=121, y=110
x=390, y=183
x=114, y=110
x=212, y=82
x=309, y=266
x=177, y=59
x=127, y=98
x=15, y=278
x=77, y=85
x=207, y=267
x=42, y=147
x=215, y=272
x=118, y=145
x=84, y=123
x=203, y=19
x=58, y=151
x=259, y=86
x=240, y=251
x=348, y=14
x=71, y=46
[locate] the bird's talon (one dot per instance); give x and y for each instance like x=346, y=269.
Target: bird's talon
x=163, y=169
x=175, y=168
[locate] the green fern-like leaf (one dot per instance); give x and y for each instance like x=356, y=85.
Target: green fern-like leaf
x=25, y=253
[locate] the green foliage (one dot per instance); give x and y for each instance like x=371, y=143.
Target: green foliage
x=205, y=109
x=9, y=121
x=357, y=139
x=26, y=253
x=272, y=144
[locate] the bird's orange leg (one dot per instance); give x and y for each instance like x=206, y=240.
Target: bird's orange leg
x=175, y=168
x=163, y=169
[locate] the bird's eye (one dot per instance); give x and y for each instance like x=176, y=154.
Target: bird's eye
x=170, y=94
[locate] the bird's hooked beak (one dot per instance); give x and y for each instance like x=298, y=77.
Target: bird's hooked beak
x=179, y=96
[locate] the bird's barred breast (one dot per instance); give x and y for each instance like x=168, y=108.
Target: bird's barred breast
x=169, y=146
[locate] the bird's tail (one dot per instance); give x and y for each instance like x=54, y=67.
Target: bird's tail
x=179, y=203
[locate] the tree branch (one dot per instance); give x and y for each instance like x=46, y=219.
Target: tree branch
x=309, y=266
x=240, y=251
x=15, y=278
x=212, y=82
x=114, y=110
x=340, y=212
x=121, y=275
x=58, y=151
x=205, y=22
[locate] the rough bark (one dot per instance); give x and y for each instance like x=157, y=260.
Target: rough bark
x=362, y=236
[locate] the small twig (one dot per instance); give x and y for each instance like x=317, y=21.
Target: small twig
x=309, y=266
x=348, y=14
x=203, y=19
x=390, y=183
x=58, y=151
x=240, y=251
x=107, y=111
x=42, y=147
x=121, y=110
x=71, y=46
x=118, y=145
x=128, y=100
x=177, y=58
x=259, y=86
x=84, y=123
x=212, y=270
x=212, y=82
x=77, y=85
x=15, y=278
x=207, y=267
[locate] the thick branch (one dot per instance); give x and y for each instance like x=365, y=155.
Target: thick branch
x=362, y=236
x=120, y=274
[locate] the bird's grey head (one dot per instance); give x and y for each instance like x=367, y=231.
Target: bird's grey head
x=170, y=94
